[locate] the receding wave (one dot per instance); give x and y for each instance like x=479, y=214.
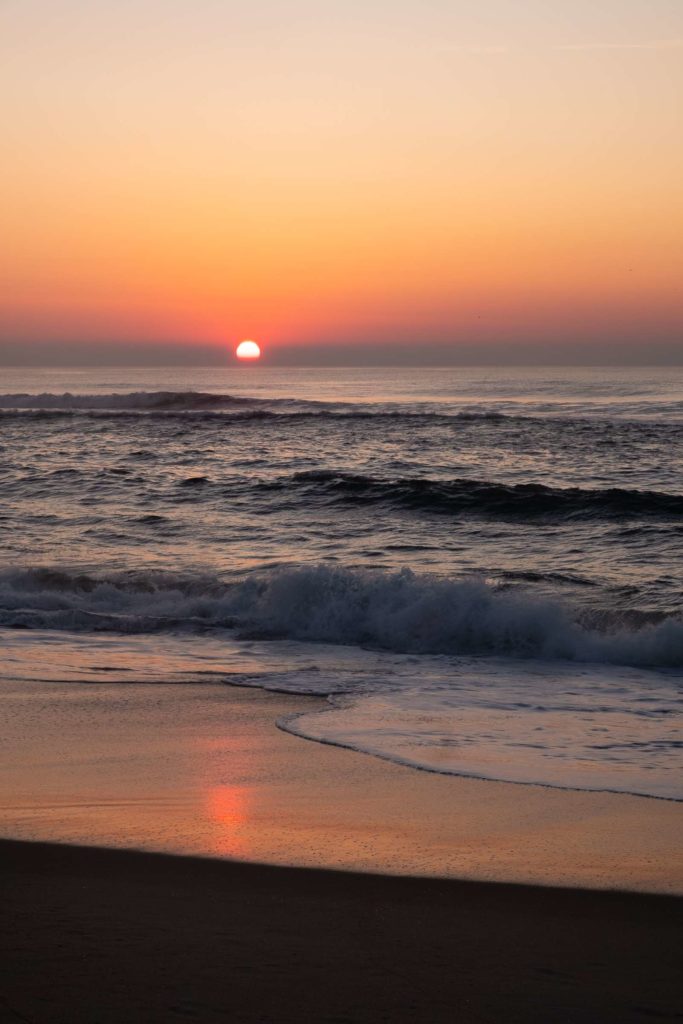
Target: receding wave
x=402, y=612
x=481, y=496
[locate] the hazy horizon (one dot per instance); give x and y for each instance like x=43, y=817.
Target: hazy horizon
x=56, y=356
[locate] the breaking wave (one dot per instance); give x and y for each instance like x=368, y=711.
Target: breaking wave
x=402, y=612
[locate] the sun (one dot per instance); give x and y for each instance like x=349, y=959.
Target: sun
x=248, y=350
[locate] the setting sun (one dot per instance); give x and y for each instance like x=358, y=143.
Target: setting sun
x=248, y=350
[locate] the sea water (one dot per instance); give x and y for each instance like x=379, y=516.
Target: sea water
x=481, y=569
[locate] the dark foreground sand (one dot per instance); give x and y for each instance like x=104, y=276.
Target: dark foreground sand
x=110, y=936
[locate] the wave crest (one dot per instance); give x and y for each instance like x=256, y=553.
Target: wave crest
x=402, y=612
x=483, y=496
x=210, y=404
x=492, y=412
x=142, y=401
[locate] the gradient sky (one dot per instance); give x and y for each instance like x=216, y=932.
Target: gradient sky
x=499, y=179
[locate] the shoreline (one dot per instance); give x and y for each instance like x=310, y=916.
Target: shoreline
x=91, y=934
x=204, y=771
x=286, y=725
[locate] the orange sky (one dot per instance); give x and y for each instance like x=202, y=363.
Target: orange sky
x=423, y=172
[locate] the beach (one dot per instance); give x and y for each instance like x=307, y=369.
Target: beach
x=93, y=934
x=204, y=770
x=99, y=935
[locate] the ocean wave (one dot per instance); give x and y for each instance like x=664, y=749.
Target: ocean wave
x=482, y=497
x=402, y=612
x=142, y=401
x=212, y=406
x=200, y=405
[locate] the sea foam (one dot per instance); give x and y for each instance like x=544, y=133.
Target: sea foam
x=403, y=612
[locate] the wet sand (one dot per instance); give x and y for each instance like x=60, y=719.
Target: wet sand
x=109, y=936
x=101, y=936
x=203, y=770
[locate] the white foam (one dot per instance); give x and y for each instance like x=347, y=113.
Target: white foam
x=615, y=730
x=549, y=723
x=403, y=612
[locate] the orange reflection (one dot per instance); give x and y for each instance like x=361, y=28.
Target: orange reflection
x=227, y=805
x=227, y=808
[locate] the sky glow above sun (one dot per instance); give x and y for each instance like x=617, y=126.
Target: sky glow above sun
x=178, y=171
x=248, y=350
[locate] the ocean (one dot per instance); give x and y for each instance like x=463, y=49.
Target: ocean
x=480, y=569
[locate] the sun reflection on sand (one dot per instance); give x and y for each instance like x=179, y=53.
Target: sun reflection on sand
x=227, y=809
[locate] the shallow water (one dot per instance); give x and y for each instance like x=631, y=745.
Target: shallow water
x=481, y=568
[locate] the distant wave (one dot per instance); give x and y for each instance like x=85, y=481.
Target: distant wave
x=208, y=404
x=204, y=405
x=143, y=401
x=402, y=612
x=482, y=496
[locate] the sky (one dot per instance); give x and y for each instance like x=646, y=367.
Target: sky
x=341, y=180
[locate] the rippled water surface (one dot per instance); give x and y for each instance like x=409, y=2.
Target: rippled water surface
x=483, y=566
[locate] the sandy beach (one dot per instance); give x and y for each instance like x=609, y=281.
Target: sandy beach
x=203, y=770
x=109, y=936
x=458, y=899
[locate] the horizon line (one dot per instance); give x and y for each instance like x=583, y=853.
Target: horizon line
x=234, y=364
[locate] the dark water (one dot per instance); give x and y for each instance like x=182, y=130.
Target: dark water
x=472, y=542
